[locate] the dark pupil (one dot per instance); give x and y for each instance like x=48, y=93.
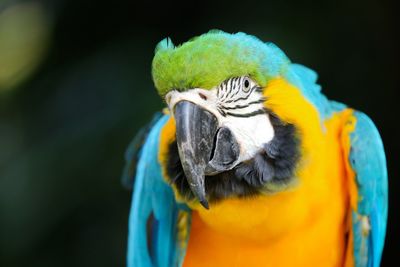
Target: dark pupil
x=246, y=83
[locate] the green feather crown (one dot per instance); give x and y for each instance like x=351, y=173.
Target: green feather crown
x=207, y=60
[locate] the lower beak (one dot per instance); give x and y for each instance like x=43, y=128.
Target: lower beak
x=203, y=148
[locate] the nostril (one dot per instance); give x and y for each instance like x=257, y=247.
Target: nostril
x=168, y=98
x=202, y=96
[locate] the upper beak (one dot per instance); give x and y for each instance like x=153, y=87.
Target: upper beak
x=204, y=149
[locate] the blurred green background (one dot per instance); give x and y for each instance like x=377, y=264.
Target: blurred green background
x=75, y=86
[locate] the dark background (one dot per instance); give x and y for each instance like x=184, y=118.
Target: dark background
x=75, y=86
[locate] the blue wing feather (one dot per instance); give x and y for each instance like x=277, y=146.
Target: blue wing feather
x=367, y=158
x=152, y=196
x=132, y=153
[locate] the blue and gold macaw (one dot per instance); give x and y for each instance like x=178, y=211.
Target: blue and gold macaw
x=251, y=165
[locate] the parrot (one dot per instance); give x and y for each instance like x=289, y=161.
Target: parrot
x=250, y=164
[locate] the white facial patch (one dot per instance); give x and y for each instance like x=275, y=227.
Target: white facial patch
x=251, y=133
x=238, y=104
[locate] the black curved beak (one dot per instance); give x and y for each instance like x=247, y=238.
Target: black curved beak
x=203, y=148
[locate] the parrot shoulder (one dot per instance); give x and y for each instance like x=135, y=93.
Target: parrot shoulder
x=157, y=223
x=132, y=152
x=366, y=168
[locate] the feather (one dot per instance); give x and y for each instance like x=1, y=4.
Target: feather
x=153, y=198
x=207, y=60
x=132, y=153
x=367, y=159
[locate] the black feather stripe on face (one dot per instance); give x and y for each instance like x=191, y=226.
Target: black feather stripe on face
x=273, y=165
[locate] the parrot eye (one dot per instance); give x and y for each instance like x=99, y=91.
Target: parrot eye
x=246, y=85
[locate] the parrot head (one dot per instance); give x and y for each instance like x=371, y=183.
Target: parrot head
x=235, y=130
